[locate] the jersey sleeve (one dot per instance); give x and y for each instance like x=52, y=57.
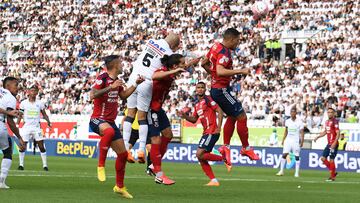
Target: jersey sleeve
x=11, y=104
x=99, y=83
x=287, y=123
x=223, y=60
x=301, y=125
x=42, y=106
x=212, y=104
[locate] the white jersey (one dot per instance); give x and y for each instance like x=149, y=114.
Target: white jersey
x=149, y=59
x=31, y=113
x=293, y=128
x=7, y=102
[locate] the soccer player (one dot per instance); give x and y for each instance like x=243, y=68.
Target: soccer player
x=218, y=63
x=133, y=138
x=139, y=102
x=105, y=93
x=7, y=113
x=158, y=121
x=333, y=133
x=31, y=128
x=292, y=141
x=206, y=109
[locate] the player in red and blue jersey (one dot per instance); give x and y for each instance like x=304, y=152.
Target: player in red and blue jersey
x=105, y=93
x=206, y=109
x=333, y=134
x=158, y=121
x=218, y=63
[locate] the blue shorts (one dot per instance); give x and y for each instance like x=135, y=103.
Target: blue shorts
x=229, y=104
x=94, y=125
x=207, y=142
x=158, y=121
x=327, y=153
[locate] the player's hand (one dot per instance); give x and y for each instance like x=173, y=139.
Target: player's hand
x=316, y=138
x=21, y=144
x=13, y=113
x=50, y=126
x=245, y=71
x=193, y=62
x=301, y=144
x=140, y=79
x=282, y=143
x=179, y=70
x=217, y=131
x=116, y=84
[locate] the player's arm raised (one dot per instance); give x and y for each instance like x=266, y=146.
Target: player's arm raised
x=13, y=113
x=163, y=74
x=126, y=93
x=206, y=64
x=223, y=72
x=95, y=93
x=220, y=119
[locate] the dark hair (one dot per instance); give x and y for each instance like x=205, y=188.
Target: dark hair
x=230, y=33
x=109, y=59
x=201, y=83
x=331, y=108
x=8, y=79
x=169, y=61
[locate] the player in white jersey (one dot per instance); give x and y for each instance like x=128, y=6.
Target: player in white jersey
x=31, y=109
x=292, y=141
x=7, y=113
x=139, y=102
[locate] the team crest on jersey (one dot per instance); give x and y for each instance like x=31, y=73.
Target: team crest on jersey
x=98, y=82
x=213, y=103
x=224, y=59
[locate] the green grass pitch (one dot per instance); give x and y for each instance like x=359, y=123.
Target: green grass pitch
x=74, y=180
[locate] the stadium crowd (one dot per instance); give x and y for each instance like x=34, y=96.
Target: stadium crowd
x=71, y=37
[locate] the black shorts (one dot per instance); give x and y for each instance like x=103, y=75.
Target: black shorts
x=229, y=104
x=94, y=125
x=158, y=121
x=208, y=142
x=327, y=153
x=135, y=136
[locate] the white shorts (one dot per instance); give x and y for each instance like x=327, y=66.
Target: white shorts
x=28, y=133
x=291, y=146
x=141, y=97
x=4, y=139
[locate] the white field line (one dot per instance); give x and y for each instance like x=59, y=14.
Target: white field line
x=78, y=175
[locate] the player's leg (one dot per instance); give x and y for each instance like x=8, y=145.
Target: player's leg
x=119, y=147
x=42, y=149
x=297, y=158
x=286, y=150
x=133, y=138
x=149, y=171
x=6, y=147
x=332, y=165
x=242, y=130
x=204, y=155
x=25, y=136
x=107, y=133
x=324, y=156
x=130, y=117
x=143, y=105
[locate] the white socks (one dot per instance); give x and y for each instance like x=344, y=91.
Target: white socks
x=21, y=158
x=297, y=167
x=5, y=167
x=43, y=158
x=127, y=133
x=143, y=133
x=282, y=165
